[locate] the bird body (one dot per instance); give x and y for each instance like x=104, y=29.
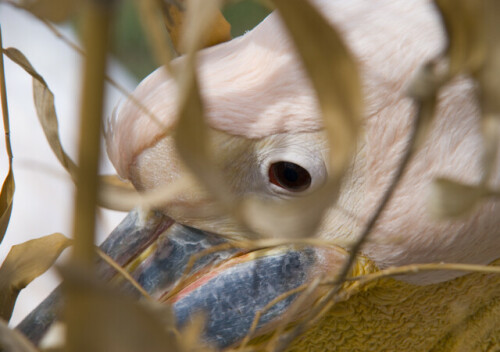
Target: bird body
x=261, y=112
x=258, y=97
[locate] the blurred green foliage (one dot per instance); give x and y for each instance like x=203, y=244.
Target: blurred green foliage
x=130, y=45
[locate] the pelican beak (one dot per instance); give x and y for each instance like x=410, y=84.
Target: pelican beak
x=196, y=272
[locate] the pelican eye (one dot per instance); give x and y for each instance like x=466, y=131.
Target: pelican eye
x=289, y=176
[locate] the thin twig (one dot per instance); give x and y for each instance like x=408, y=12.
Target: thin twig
x=299, y=329
x=298, y=304
x=123, y=273
x=273, y=302
x=190, y=264
x=5, y=110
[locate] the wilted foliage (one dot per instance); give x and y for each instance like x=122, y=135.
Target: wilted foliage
x=99, y=316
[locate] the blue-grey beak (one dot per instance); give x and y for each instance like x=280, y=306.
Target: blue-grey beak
x=228, y=285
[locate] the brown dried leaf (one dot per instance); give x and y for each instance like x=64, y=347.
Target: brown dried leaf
x=423, y=89
x=52, y=10
x=111, y=322
x=335, y=78
x=44, y=103
x=12, y=340
x=489, y=83
x=190, y=336
x=150, y=16
x=123, y=197
x=174, y=17
x=200, y=20
x=452, y=199
x=192, y=135
x=333, y=73
x=466, y=40
x=488, y=76
x=474, y=48
x=45, y=108
x=9, y=186
x=6, y=201
x=24, y=263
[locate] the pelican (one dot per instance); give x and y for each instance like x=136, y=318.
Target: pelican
x=270, y=143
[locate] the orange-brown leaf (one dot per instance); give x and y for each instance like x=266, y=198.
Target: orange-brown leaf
x=24, y=263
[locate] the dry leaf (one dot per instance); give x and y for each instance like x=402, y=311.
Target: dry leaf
x=466, y=40
x=191, y=334
x=192, y=135
x=44, y=103
x=174, y=16
x=24, y=263
x=108, y=321
x=52, y=10
x=6, y=201
x=489, y=84
x=334, y=75
x=123, y=197
x=13, y=341
x=9, y=186
x=452, y=199
x=423, y=89
x=335, y=78
x=201, y=21
x=474, y=49
x=150, y=16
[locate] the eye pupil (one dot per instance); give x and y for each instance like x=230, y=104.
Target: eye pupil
x=289, y=176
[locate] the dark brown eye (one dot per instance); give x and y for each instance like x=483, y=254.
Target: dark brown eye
x=290, y=176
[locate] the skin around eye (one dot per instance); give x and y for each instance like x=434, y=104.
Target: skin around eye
x=289, y=176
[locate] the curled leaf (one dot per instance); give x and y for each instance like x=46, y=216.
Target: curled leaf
x=174, y=16
x=452, y=199
x=6, y=201
x=474, y=49
x=333, y=73
x=52, y=10
x=46, y=112
x=150, y=16
x=24, y=263
x=192, y=134
x=9, y=186
x=335, y=77
x=44, y=104
x=466, y=40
